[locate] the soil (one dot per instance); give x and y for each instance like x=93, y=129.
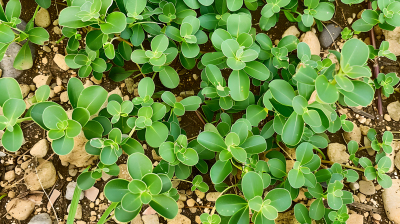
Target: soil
x=190, y=122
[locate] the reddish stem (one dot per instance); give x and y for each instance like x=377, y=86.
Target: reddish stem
x=376, y=69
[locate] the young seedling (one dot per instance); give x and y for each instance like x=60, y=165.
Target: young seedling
x=145, y=188
x=377, y=172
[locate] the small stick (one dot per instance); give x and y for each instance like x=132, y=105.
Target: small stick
x=201, y=119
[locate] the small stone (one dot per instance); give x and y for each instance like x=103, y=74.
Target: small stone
x=7, y=63
x=355, y=219
x=70, y=191
x=197, y=219
x=95, y=81
x=42, y=218
x=212, y=196
x=150, y=219
x=195, y=76
x=291, y=31
x=393, y=38
x=40, y=149
x=58, y=89
x=355, y=134
x=45, y=61
x=312, y=40
x=78, y=213
x=394, y=110
x=190, y=202
x=329, y=34
x=25, y=89
x=391, y=201
x=354, y=186
x=130, y=85
x=41, y=80
x=180, y=204
x=64, y=97
x=350, y=20
x=199, y=194
x=9, y=176
x=337, y=153
x=59, y=59
x=57, y=30
x=46, y=173
x=367, y=187
x=123, y=172
x=20, y=209
x=180, y=219
x=46, y=48
x=155, y=156
x=11, y=194
x=362, y=197
x=364, y=129
x=376, y=216
x=42, y=18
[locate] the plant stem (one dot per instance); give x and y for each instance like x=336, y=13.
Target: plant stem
x=154, y=75
x=2, y=196
x=132, y=131
x=103, y=218
x=376, y=69
x=59, y=40
x=183, y=180
x=346, y=166
x=24, y=119
x=235, y=165
x=319, y=150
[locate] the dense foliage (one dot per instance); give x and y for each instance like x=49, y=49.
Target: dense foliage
x=245, y=72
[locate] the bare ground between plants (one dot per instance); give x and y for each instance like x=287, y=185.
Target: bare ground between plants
x=190, y=81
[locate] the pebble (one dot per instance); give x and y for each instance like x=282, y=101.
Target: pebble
x=41, y=80
x=40, y=149
x=191, y=202
x=180, y=219
x=200, y=194
x=46, y=173
x=355, y=134
x=391, y=201
x=43, y=18
x=42, y=218
x=325, y=38
x=362, y=197
x=7, y=63
x=355, y=219
x=291, y=31
x=20, y=209
x=367, y=187
x=25, y=89
x=312, y=40
x=337, y=153
x=393, y=38
x=376, y=216
x=394, y=110
x=57, y=30
x=354, y=186
x=78, y=214
x=64, y=97
x=70, y=191
x=9, y=176
x=59, y=59
x=150, y=219
x=212, y=196
x=46, y=48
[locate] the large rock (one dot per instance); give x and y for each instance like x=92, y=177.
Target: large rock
x=291, y=31
x=394, y=110
x=329, y=34
x=312, y=40
x=391, y=201
x=354, y=135
x=42, y=18
x=393, y=37
x=20, y=209
x=40, y=149
x=337, y=153
x=8, y=60
x=78, y=156
x=286, y=218
x=42, y=218
x=46, y=173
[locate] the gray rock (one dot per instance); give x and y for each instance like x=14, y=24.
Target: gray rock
x=7, y=63
x=70, y=191
x=43, y=218
x=325, y=38
x=367, y=187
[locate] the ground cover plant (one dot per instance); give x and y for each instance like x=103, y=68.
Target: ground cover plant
x=256, y=96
